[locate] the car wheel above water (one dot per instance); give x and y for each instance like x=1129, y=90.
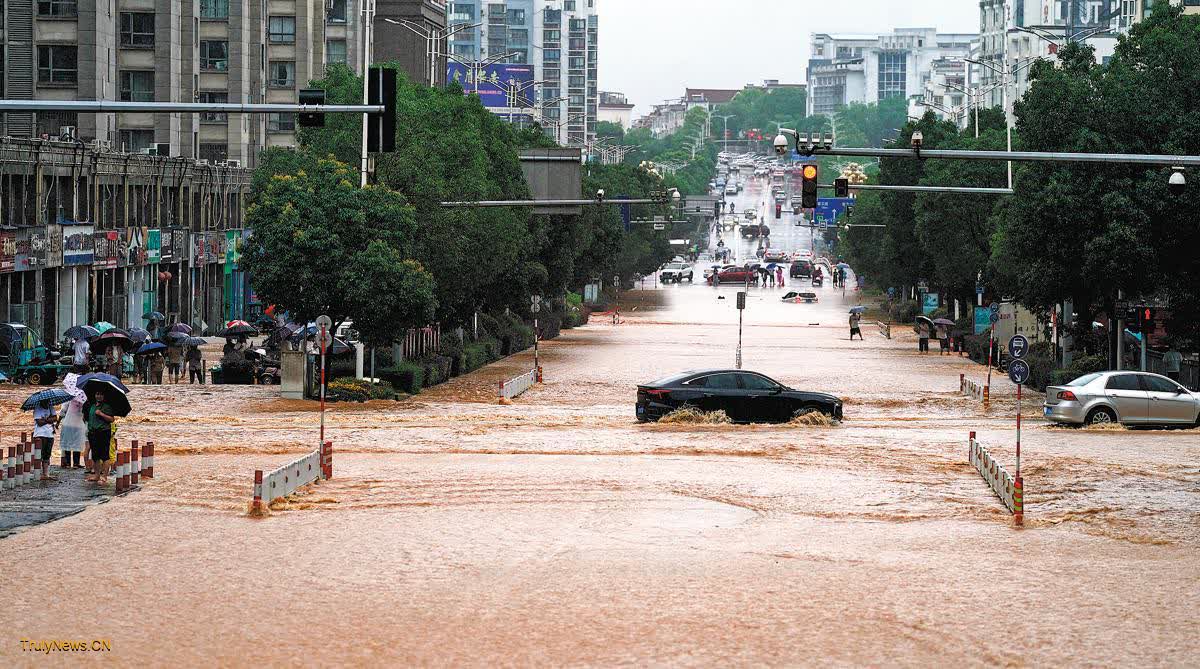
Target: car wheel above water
x=1101, y=416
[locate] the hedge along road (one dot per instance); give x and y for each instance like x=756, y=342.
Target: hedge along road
x=559, y=530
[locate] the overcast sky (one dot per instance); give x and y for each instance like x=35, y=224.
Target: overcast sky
x=651, y=49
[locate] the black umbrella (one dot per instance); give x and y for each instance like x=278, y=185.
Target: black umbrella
x=176, y=337
x=81, y=332
x=114, y=337
x=181, y=327
x=239, y=331
x=50, y=396
x=114, y=391
x=193, y=341
x=152, y=347
x=139, y=335
x=153, y=316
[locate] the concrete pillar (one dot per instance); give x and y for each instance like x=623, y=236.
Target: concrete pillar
x=358, y=360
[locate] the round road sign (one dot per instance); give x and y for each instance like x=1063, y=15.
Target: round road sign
x=616, y=278
x=535, y=307
x=327, y=340
x=994, y=307
x=994, y=318
x=1018, y=371
x=324, y=322
x=1018, y=346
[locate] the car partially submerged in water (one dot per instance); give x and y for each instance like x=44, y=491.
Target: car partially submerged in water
x=744, y=396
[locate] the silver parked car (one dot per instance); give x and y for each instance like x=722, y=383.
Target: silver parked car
x=1131, y=398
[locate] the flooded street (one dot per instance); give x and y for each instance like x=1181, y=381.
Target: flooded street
x=560, y=531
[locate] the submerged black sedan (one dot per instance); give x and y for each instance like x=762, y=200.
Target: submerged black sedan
x=745, y=396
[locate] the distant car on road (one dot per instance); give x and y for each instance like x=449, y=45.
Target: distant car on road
x=745, y=396
x=676, y=272
x=1131, y=398
x=750, y=231
x=795, y=297
x=735, y=274
x=775, y=255
x=801, y=269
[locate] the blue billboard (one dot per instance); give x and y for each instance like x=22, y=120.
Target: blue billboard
x=496, y=84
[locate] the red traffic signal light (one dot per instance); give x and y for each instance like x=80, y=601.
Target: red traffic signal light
x=778, y=210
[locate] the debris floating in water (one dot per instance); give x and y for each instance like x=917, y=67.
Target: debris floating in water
x=694, y=415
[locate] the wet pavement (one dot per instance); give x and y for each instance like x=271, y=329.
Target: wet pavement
x=558, y=530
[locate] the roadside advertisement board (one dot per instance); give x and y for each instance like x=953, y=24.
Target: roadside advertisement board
x=495, y=83
x=983, y=320
x=78, y=245
x=929, y=303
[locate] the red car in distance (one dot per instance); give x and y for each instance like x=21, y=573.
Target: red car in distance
x=735, y=274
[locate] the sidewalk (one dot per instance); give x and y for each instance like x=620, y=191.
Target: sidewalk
x=44, y=501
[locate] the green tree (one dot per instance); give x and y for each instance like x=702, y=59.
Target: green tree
x=317, y=236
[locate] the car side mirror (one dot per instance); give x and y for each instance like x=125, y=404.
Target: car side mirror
x=777, y=390
x=1180, y=390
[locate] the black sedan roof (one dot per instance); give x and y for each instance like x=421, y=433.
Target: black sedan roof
x=691, y=374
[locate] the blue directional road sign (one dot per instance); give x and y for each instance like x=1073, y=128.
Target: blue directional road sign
x=829, y=208
x=1018, y=371
x=1018, y=346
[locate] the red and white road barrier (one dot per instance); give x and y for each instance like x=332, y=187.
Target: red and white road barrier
x=288, y=478
x=972, y=388
x=519, y=384
x=1011, y=491
x=884, y=329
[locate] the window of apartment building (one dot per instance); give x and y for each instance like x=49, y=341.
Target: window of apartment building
x=214, y=9
x=577, y=44
x=213, y=152
x=519, y=57
x=281, y=123
x=51, y=123
x=337, y=11
x=569, y=6
x=516, y=17
x=137, y=85
x=575, y=62
x=518, y=38
x=214, y=55
x=552, y=17
x=335, y=51
x=578, y=25
x=213, y=97
x=463, y=51
x=57, y=8
x=282, y=74
x=133, y=141
x=551, y=35
x=551, y=55
x=58, y=64
x=893, y=71
x=462, y=11
x=575, y=81
x=281, y=30
x=575, y=100
x=137, y=29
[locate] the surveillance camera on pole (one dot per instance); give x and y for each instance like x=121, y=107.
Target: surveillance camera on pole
x=781, y=144
x=600, y=195
x=1178, y=182
x=917, y=140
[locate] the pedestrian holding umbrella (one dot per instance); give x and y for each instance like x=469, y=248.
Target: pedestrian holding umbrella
x=181, y=327
x=857, y=309
x=139, y=335
x=240, y=329
x=153, y=316
x=924, y=328
x=106, y=401
x=194, y=341
x=152, y=347
x=103, y=326
x=943, y=335
x=45, y=421
x=72, y=437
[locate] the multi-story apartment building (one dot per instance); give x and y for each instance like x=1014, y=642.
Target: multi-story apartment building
x=559, y=38
x=868, y=68
x=172, y=51
x=615, y=108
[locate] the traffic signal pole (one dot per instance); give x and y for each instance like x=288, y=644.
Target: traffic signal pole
x=110, y=106
x=1017, y=156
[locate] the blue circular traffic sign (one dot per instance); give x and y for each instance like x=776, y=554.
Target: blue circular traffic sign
x=994, y=317
x=1018, y=371
x=1018, y=346
x=994, y=307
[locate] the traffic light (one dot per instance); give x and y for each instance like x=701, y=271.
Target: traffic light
x=312, y=96
x=716, y=210
x=841, y=187
x=381, y=127
x=808, y=187
x=1145, y=319
x=778, y=209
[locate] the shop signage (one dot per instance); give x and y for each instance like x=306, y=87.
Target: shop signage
x=154, y=246
x=199, y=246
x=174, y=241
x=54, y=243
x=134, y=246
x=8, y=251
x=31, y=249
x=107, y=249
x=78, y=245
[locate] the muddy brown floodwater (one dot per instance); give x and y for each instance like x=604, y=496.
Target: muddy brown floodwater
x=559, y=531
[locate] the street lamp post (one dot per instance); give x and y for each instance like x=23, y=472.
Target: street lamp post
x=725, y=136
x=1005, y=80
x=433, y=40
x=368, y=11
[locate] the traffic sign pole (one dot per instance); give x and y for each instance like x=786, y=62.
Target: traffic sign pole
x=1019, y=386
x=323, y=383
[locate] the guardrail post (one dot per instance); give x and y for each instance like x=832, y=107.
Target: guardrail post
x=1019, y=501
x=135, y=462
x=148, y=456
x=26, y=460
x=11, y=467
x=256, y=506
x=329, y=459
